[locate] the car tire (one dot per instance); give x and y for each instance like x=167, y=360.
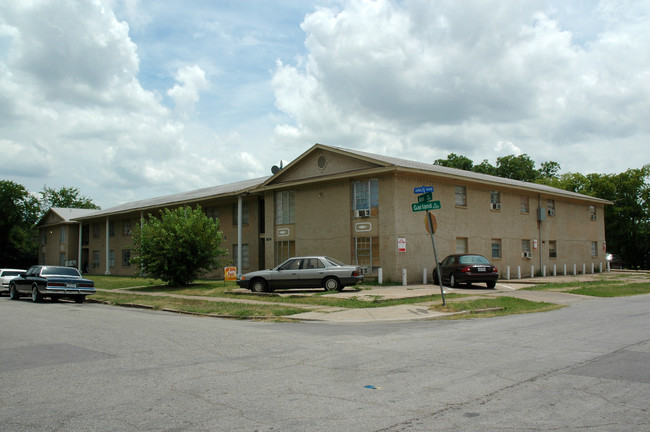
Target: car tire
x=332, y=284
x=79, y=298
x=13, y=292
x=452, y=281
x=435, y=278
x=37, y=297
x=258, y=285
x=491, y=284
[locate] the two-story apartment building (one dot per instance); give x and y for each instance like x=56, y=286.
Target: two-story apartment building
x=358, y=207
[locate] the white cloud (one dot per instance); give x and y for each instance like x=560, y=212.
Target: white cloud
x=468, y=77
x=186, y=94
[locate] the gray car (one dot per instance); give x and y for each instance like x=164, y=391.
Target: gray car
x=54, y=282
x=303, y=272
x=7, y=275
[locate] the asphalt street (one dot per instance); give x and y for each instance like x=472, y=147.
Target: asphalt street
x=82, y=367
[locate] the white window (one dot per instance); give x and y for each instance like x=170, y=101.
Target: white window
x=552, y=249
x=495, y=200
x=365, y=195
x=244, y=213
x=62, y=235
x=95, y=258
x=285, y=207
x=550, y=207
x=461, y=245
x=525, y=204
x=62, y=259
x=594, y=249
x=525, y=249
x=245, y=261
x=126, y=227
x=496, y=248
x=126, y=258
x=212, y=212
x=284, y=250
x=366, y=253
x=460, y=193
x=592, y=212
x=111, y=258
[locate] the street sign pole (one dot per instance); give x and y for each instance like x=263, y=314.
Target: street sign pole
x=435, y=254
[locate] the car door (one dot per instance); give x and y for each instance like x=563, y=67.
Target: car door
x=23, y=283
x=287, y=275
x=447, y=267
x=312, y=273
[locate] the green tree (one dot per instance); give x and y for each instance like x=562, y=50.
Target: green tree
x=19, y=211
x=485, y=167
x=66, y=197
x=549, y=170
x=520, y=167
x=455, y=161
x=179, y=246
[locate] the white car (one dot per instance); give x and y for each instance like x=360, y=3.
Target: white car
x=5, y=276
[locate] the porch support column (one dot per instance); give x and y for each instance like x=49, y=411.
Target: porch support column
x=79, y=249
x=108, y=271
x=239, y=246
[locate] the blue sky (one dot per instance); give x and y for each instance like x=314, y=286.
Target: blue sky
x=129, y=99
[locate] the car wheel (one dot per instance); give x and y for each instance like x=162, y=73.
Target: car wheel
x=13, y=292
x=258, y=285
x=491, y=284
x=79, y=299
x=332, y=284
x=452, y=281
x=37, y=297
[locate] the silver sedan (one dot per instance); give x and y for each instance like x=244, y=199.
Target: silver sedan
x=303, y=272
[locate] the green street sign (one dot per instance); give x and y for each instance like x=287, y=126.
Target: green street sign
x=431, y=205
x=425, y=197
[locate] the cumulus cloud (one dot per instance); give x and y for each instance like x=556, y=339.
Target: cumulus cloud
x=186, y=94
x=467, y=77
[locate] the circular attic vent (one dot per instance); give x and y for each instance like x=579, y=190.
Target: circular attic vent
x=322, y=162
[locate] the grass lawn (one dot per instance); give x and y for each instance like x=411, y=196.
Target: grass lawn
x=237, y=310
x=496, y=306
x=601, y=288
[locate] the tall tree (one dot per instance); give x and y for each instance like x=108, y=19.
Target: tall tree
x=19, y=211
x=455, y=161
x=67, y=197
x=520, y=167
x=179, y=246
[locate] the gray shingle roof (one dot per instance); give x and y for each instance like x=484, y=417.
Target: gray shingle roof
x=469, y=175
x=181, y=198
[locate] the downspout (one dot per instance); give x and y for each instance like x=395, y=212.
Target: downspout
x=239, y=245
x=108, y=271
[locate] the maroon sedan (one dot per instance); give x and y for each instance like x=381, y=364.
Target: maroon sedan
x=466, y=268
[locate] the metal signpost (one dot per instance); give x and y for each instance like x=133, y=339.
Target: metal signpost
x=425, y=202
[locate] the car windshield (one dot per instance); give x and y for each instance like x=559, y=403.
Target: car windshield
x=473, y=259
x=60, y=271
x=335, y=263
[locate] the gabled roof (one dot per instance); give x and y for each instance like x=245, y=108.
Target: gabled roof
x=63, y=215
x=405, y=165
x=230, y=189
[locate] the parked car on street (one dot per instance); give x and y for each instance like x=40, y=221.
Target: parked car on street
x=303, y=272
x=54, y=282
x=5, y=276
x=466, y=268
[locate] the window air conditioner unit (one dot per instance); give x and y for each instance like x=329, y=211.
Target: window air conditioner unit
x=593, y=217
x=551, y=212
x=495, y=206
x=527, y=254
x=363, y=213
